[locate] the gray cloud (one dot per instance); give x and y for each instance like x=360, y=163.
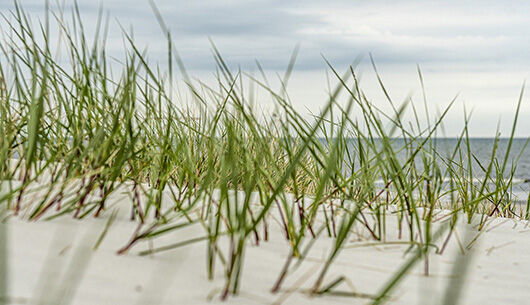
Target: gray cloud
x=477, y=48
x=407, y=32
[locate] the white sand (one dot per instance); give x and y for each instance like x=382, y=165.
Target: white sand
x=499, y=269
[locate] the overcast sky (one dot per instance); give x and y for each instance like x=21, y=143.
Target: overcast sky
x=477, y=49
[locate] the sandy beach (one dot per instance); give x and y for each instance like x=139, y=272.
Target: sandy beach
x=40, y=254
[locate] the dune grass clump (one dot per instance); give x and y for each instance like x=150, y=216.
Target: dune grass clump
x=78, y=125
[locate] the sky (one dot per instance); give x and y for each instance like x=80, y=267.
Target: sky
x=475, y=50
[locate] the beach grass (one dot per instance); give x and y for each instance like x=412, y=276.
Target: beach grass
x=78, y=125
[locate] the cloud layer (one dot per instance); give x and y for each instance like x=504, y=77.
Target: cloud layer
x=449, y=32
x=476, y=48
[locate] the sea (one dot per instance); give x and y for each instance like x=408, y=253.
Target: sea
x=518, y=160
